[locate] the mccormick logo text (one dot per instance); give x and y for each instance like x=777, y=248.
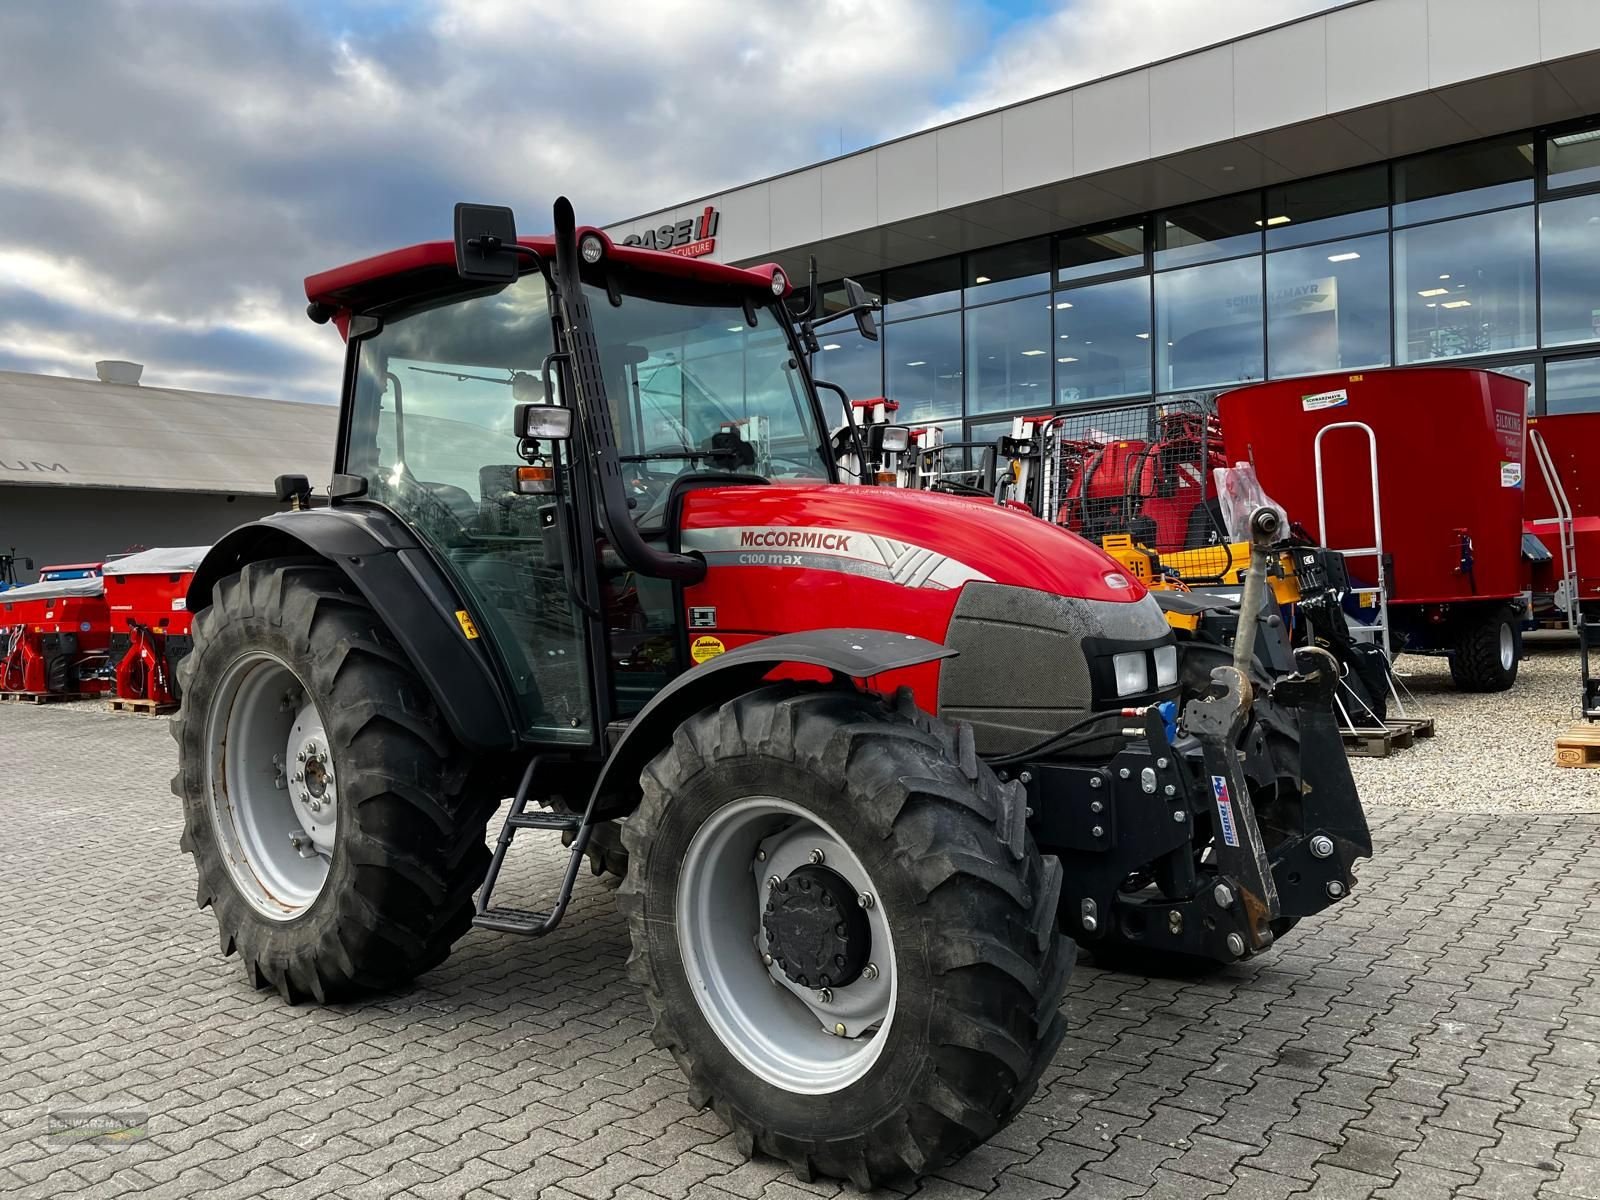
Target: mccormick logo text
x=798, y=539
x=690, y=239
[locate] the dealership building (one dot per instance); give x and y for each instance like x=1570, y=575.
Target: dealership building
x=1388, y=183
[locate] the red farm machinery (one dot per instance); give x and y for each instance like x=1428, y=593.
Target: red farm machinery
x=872, y=759
x=56, y=634
x=147, y=595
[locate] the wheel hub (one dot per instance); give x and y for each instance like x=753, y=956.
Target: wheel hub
x=817, y=934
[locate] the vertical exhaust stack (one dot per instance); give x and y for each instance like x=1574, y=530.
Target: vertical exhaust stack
x=116, y=370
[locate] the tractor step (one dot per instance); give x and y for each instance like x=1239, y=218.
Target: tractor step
x=512, y=920
x=523, y=921
x=556, y=821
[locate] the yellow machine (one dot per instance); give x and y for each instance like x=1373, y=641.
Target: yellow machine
x=1206, y=566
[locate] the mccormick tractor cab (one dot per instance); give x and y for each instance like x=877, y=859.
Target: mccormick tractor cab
x=872, y=751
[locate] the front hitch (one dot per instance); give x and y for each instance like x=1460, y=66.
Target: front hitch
x=1216, y=721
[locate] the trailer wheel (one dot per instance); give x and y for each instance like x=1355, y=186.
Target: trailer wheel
x=324, y=802
x=844, y=930
x=1487, y=652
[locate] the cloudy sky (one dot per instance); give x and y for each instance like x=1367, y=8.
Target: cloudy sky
x=170, y=170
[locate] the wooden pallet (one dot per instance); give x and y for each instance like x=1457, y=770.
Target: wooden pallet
x=1376, y=743
x=1421, y=727
x=1579, y=747
x=148, y=708
x=39, y=697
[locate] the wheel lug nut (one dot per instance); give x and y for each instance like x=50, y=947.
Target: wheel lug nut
x=869, y=972
x=772, y=881
x=824, y=995
x=817, y=858
x=865, y=899
x=767, y=959
x=761, y=856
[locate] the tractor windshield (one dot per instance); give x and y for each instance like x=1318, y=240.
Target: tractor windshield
x=698, y=387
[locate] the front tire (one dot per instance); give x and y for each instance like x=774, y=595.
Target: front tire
x=351, y=869
x=946, y=1037
x=1487, y=652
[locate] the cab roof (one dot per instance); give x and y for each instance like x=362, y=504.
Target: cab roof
x=427, y=268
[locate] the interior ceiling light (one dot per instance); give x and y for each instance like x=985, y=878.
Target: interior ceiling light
x=1345, y=257
x=1444, y=277
x=1069, y=359
x=832, y=346
x=1064, y=304
x=1434, y=292
x=921, y=362
x=981, y=279
x=1278, y=220
x=1146, y=336
x=1577, y=139
x=1031, y=353
x=1457, y=304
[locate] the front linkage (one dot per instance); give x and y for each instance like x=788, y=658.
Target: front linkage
x=1161, y=846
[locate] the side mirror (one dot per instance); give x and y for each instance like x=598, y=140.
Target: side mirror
x=483, y=234
x=27, y=564
x=544, y=422
x=863, y=306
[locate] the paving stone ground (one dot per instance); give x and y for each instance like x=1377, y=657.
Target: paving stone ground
x=1436, y=1036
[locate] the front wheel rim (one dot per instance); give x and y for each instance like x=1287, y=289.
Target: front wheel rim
x=271, y=789
x=1508, y=648
x=808, y=1040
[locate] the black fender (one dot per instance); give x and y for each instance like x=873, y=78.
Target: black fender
x=410, y=593
x=848, y=653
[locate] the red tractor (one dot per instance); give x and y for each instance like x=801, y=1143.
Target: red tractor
x=878, y=756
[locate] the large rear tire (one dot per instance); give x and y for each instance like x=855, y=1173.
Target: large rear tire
x=794, y=800
x=351, y=869
x=1487, y=652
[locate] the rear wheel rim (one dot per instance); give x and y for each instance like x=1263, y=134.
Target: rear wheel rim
x=271, y=788
x=1508, y=647
x=787, y=1035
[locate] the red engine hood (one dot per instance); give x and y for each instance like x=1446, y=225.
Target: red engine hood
x=959, y=539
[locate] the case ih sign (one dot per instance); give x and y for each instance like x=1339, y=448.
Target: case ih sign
x=691, y=239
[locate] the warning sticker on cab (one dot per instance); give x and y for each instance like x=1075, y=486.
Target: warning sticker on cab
x=1510, y=474
x=467, y=627
x=1333, y=399
x=704, y=649
x=1230, y=831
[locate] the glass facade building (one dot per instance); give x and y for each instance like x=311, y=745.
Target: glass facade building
x=1485, y=254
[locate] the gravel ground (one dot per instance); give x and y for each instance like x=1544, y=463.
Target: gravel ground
x=1493, y=753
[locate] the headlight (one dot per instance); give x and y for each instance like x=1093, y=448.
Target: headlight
x=1132, y=669
x=779, y=282
x=1166, y=666
x=591, y=248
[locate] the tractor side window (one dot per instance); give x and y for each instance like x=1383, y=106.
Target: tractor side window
x=431, y=430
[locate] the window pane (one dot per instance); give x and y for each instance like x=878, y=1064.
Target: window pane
x=1102, y=344
x=924, y=288
x=1574, y=159
x=851, y=361
x=1569, y=253
x=1008, y=356
x=1328, y=307
x=1336, y=206
x=1573, y=385
x=1215, y=229
x=1208, y=325
x=1529, y=375
x=1467, y=179
x=1091, y=255
x=923, y=367
x=1465, y=287
x=1013, y=270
